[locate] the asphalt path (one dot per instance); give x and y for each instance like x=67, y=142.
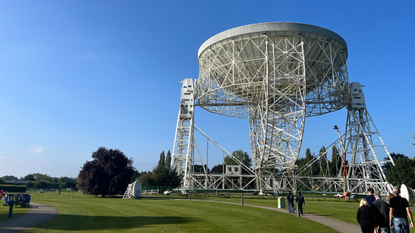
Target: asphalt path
x=37, y=214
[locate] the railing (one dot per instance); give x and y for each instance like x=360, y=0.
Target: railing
x=150, y=192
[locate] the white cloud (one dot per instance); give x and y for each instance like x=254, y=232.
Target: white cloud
x=35, y=149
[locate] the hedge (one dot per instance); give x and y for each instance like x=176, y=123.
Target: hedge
x=13, y=188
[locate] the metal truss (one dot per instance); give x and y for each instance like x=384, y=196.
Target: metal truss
x=364, y=169
x=183, y=149
x=276, y=75
x=275, y=81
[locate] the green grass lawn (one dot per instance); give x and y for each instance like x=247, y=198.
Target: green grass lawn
x=17, y=211
x=333, y=208
x=82, y=213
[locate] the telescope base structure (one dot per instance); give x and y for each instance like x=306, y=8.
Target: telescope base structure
x=363, y=169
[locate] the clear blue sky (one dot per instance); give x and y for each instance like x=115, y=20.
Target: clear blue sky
x=78, y=75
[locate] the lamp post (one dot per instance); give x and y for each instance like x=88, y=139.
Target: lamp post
x=344, y=156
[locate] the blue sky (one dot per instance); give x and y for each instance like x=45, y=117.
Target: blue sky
x=78, y=75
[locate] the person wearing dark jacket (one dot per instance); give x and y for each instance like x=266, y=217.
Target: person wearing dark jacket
x=380, y=210
x=370, y=198
x=300, y=202
x=290, y=200
x=399, y=212
x=365, y=217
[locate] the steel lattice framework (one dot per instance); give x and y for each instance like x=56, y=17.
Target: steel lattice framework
x=275, y=75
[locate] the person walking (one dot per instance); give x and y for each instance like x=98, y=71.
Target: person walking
x=290, y=200
x=300, y=201
x=370, y=198
x=380, y=210
x=365, y=217
x=399, y=212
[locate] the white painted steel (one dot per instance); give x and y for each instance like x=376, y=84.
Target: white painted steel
x=133, y=190
x=276, y=75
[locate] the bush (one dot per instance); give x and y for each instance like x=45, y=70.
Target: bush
x=13, y=188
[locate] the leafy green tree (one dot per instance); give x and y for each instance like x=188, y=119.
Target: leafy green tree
x=41, y=184
x=241, y=156
x=67, y=184
x=135, y=176
x=402, y=172
x=167, y=177
x=162, y=160
x=324, y=163
x=395, y=156
x=218, y=169
x=30, y=184
x=197, y=168
x=108, y=173
x=162, y=175
x=168, y=159
x=10, y=177
x=148, y=179
x=29, y=177
x=336, y=162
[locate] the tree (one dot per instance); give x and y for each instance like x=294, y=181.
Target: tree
x=41, y=184
x=402, y=172
x=67, y=184
x=218, y=169
x=148, y=179
x=108, y=173
x=29, y=177
x=135, y=176
x=30, y=184
x=197, y=168
x=162, y=175
x=167, y=177
x=241, y=156
x=10, y=178
x=162, y=160
x=395, y=156
x=168, y=159
x=336, y=162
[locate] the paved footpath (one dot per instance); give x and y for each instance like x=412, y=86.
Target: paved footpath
x=340, y=226
x=37, y=214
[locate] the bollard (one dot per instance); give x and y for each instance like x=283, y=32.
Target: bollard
x=298, y=210
x=242, y=199
x=190, y=196
x=11, y=208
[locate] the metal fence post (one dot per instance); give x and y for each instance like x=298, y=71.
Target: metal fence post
x=242, y=199
x=11, y=208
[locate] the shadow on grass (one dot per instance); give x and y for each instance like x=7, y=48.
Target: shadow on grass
x=82, y=222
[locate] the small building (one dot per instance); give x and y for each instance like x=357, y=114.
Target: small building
x=234, y=170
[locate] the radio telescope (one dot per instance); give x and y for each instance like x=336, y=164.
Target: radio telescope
x=275, y=75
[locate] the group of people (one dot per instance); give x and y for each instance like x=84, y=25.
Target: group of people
x=300, y=201
x=376, y=215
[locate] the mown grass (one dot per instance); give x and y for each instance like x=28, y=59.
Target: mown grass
x=82, y=213
x=17, y=211
x=332, y=208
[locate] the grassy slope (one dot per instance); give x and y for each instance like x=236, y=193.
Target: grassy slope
x=88, y=213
